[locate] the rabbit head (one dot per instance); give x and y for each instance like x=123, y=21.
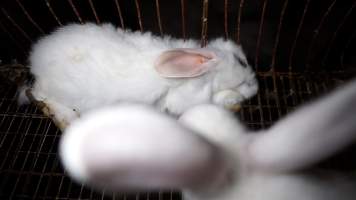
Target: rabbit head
x=233, y=74
x=218, y=73
x=207, y=153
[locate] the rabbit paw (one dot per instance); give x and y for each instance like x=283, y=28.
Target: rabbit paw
x=61, y=115
x=229, y=99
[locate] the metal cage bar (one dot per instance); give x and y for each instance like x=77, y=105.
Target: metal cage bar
x=241, y=5
x=53, y=13
x=316, y=33
x=76, y=12
x=204, y=18
x=139, y=17
x=120, y=14
x=16, y=25
x=159, y=17
x=260, y=31
x=294, y=44
x=92, y=7
x=29, y=17
x=341, y=24
x=183, y=5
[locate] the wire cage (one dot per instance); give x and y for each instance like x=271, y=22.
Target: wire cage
x=299, y=49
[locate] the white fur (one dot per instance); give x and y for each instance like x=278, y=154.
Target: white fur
x=87, y=66
x=211, y=156
x=89, y=150
x=21, y=95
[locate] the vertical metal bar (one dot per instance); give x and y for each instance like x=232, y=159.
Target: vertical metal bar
x=274, y=78
x=182, y=4
x=239, y=21
x=103, y=195
x=316, y=33
x=348, y=43
x=343, y=21
x=60, y=187
x=267, y=95
x=262, y=120
x=226, y=27
x=120, y=14
x=29, y=16
x=16, y=25
x=69, y=188
x=53, y=13
x=94, y=11
x=204, y=31
x=75, y=11
x=81, y=191
x=159, y=17
x=139, y=17
x=260, y=30
x=274, y=51
x=291, y=55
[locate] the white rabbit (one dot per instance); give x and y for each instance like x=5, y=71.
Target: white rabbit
x=210, y=155
x=80, y=67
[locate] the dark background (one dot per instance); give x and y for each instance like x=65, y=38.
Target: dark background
x=317, y=45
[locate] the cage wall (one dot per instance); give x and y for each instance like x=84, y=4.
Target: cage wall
x=299, y=48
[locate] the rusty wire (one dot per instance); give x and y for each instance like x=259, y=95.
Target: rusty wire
x=260, y=30
x=182, y=5
x=29, y=16
x=204, y=29
x=17, y=26
x=241, y=4
x=53, y=13
x=75, y=10
x=291, y=55
x=341, y=24
x=120, y=14
x=226, y=27
x=94, y=11
x=274, y=51
x=139, y=16
x=158, y=12
x=316, y=33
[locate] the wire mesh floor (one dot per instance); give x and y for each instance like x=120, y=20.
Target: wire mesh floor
x=30, y=168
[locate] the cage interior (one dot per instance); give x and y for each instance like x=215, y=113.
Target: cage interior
x=299, y=49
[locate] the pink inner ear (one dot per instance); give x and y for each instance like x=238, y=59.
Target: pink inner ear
x=182, y=63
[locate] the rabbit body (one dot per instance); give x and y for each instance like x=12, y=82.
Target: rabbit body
x=86, y=66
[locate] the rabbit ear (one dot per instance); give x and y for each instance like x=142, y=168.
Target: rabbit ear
x=134, y=147
x=310, y=134
x=182, y=63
